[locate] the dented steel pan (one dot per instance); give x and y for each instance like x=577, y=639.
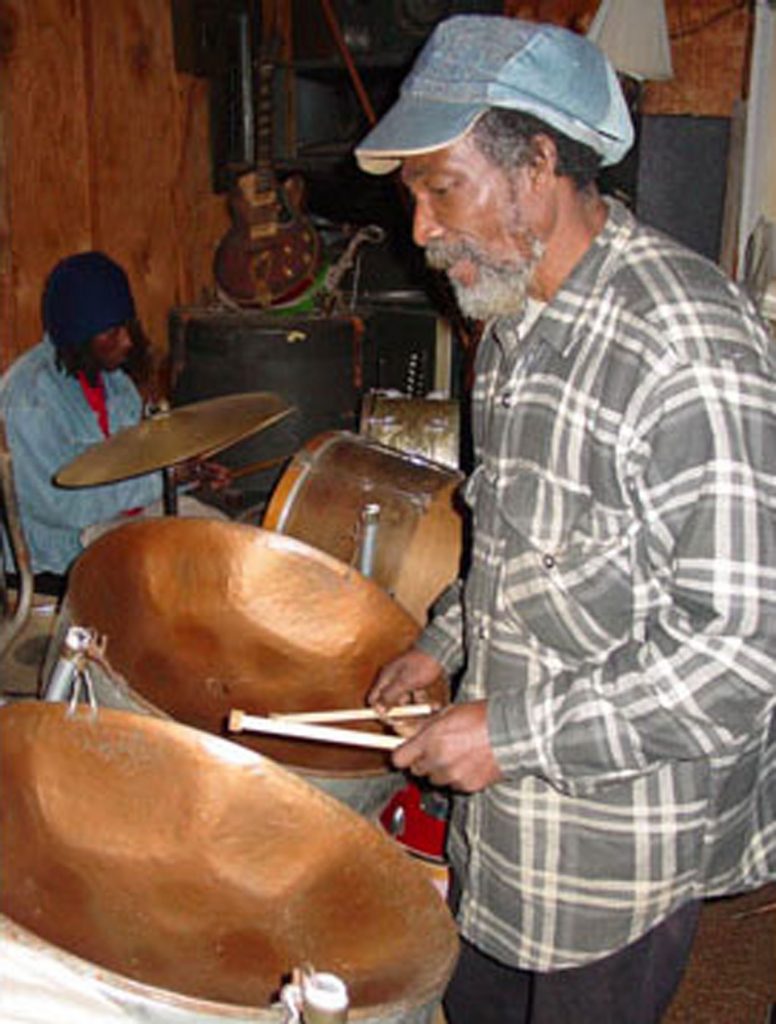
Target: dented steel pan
x=183, y=877
x=201, y=617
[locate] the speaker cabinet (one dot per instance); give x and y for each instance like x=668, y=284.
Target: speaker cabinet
x=315, y=364
x=682, y=172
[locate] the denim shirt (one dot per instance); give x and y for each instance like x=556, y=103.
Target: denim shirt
x=49, y=423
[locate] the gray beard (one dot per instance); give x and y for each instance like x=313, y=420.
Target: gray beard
x=502, y=288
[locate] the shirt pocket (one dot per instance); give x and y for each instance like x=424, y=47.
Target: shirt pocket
x=567, y=572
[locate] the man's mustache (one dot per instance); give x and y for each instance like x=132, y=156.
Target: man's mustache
x=443, y=255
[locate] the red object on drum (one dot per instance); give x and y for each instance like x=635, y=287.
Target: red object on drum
x=418, y=819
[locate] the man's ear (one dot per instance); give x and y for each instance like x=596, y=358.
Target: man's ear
x=544, y=160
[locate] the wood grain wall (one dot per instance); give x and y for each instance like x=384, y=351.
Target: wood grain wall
x=102, y=145
x=709, y=48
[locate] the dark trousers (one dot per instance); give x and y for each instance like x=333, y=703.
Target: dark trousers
x=632, y=986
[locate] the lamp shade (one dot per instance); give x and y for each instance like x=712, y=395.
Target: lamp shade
x=634, y=36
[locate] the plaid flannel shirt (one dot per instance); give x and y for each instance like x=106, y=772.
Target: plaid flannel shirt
x=619, y=614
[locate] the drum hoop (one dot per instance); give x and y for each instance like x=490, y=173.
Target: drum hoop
x=302, y=467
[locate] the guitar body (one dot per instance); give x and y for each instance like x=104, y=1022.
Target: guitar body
x=271, y=253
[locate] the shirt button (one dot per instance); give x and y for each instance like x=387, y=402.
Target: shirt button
x=549, y=562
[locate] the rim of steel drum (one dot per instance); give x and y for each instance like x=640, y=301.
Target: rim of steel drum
x=201, y=617
x=189, y=868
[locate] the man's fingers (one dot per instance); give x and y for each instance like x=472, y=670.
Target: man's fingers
x=403, y=679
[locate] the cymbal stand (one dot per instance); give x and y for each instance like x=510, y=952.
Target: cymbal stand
x=169, y=491
x=158, y=410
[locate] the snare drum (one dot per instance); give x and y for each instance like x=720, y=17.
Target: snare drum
x=391, y=515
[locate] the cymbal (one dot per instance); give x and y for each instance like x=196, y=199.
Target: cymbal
x=202, y=616
x=190, y=431
x=185, y=863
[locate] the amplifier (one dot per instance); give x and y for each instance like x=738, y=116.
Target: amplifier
x=315, y=363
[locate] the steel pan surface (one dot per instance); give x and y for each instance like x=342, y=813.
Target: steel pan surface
x=202, y=617
x=188, y=863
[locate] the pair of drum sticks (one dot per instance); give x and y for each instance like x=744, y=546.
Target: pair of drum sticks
x=308, y=725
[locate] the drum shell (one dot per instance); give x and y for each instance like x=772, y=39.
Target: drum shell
x=322, y=497
x=135, y=1001
x=428, y=427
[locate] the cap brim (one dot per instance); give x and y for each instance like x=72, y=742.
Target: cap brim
x=413, y=126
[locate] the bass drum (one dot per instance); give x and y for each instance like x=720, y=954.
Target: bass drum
x=429, y=427
x=392, y=515
x=150, y=872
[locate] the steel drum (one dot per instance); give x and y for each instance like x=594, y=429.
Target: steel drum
x=183, y=877
x=201, y=617
x=429, y=427
x=337, y=480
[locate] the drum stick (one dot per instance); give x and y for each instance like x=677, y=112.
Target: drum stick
x=239, y=721
x=357, y=714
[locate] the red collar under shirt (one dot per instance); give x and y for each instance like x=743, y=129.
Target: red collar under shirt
x=95, y=396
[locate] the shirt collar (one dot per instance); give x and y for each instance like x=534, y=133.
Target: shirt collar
x=582, y=287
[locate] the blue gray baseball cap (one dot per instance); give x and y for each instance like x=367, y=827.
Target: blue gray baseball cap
x=472, y=62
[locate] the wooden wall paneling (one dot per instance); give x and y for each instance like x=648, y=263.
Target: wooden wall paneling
x=710, y=42
x=709, y=45
x=573, y=14
x=133, y=142
x=45, y=172
x=102, y=145
x=154, y=205
x=6, y=263
x=202, y=216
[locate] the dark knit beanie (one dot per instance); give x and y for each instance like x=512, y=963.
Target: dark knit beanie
x=85, y=295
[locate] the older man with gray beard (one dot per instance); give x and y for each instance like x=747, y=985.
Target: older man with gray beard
x=611, y=745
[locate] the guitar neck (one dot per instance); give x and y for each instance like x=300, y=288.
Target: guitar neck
x=265, y=180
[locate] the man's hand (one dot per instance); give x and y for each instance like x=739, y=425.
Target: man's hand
x=202, y=474
x=404, y=679
x=453, y=749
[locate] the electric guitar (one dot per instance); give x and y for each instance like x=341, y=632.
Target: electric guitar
x=270, y=254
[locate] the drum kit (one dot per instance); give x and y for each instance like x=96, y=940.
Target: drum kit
x=198, y=808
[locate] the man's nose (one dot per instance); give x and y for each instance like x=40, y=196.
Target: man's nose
x=425, y=226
